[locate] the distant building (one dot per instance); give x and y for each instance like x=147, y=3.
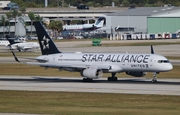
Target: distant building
x=22, y=29
x=11, y=6
x=144, y=20
x=4, y=3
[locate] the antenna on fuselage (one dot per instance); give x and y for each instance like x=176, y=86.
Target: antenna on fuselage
x=152, y=50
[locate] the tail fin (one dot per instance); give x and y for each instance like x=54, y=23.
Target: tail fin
x=46, y=43
x=100, y=22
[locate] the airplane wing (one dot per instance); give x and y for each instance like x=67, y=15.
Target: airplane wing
x=65, y=65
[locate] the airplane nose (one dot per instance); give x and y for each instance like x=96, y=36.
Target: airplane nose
x=169, y=67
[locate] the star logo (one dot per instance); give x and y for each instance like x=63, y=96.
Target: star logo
x=45, y=43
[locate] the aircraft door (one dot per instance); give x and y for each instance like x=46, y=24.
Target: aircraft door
x=151, y=62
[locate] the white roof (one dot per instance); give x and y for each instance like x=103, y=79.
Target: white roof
x=145, y=11
x=176, y=14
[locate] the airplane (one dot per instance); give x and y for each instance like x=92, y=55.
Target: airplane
x=85, y=27
x=93, y=65
x=4, y=43
x=22, y=46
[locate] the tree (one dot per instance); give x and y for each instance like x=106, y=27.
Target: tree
x=8, y=15
x=23, y=9
x=38, y=18
x=125, y=3
x=3, y=22
x=89, y=3
x=15, y=14
x=56, y=26
x=32, y=18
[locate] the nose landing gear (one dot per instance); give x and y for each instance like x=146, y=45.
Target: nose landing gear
x=154, y=80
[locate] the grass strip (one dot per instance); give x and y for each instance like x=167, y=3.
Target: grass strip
x=73, y=103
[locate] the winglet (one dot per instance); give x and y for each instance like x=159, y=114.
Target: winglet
x=152, y=50
x=15, y=57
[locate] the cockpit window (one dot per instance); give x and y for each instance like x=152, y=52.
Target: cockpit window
x=163, y=61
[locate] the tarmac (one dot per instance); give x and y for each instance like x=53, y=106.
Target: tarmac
x=123, y=85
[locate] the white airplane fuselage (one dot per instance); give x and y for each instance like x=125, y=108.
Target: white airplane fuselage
x=4, y=42
x=115, y=62
x=77, y=27
x=86, y=27
x=25, y=45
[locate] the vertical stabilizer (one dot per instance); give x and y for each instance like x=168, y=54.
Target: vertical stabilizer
x=100, y=22
x=46, y=43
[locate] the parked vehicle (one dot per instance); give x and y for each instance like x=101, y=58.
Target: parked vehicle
x=11, y=6
x=60, y=38
x=78, y=37
x=82, y=7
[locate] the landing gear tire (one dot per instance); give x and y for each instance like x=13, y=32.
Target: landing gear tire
x=87, y=80
x=112, y=78
x=154, y=80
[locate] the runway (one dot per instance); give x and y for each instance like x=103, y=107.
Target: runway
x=123, y=85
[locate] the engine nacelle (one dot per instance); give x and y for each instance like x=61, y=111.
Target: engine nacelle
x=92, y=73
x=136, y=74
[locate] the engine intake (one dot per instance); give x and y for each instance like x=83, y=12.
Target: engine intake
x=92, y=73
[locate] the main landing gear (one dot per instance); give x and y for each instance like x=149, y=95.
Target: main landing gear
x=112, y=78
x=154, y=80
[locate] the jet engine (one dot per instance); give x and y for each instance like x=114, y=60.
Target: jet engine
x=92, y=73
x=136, y=74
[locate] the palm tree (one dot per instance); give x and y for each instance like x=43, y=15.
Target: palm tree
x=32, y=18
x=56, y=26
x=60, y=25
x=23, y=9
x=3, y=22
x=8, y=15
x=38, y=18
x=15, y=14
x=52, y=26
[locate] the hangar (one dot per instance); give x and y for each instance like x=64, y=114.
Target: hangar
x=166, y=23
x=144, y=20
